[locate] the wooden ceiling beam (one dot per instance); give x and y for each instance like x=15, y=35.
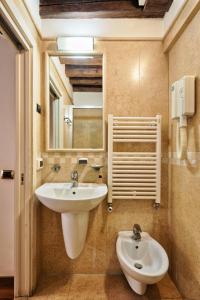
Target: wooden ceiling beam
x=81, y=2
x=90, y=61
x=86, y=81
x=83, y=71
x=90, y=9
x=102, y=9
x=161, y=6
x=90, y=88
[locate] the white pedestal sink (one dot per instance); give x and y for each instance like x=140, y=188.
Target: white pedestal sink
x=74, y=204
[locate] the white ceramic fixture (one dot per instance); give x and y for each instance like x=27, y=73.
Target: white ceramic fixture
x=143, y=262
x=74, y=204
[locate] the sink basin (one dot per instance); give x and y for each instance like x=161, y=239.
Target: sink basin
x=61, y=197
x=74, y=204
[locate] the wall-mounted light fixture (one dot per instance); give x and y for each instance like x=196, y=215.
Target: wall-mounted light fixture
x=76, y=44
x=141, y=2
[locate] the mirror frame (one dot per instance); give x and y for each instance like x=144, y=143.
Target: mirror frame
x=48, y=54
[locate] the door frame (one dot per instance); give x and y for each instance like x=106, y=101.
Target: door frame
x=24, y=159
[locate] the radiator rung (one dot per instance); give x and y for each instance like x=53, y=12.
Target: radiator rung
x=116, y=158
x=138, y=162
x=134, y=171
x=135, y=118
x=134, y=197
x=136, y=188
x=136, y=167
x=134, y=136
x=134, y=140
x=131, y=184
x=134, y=176
x=134, y=193
x=117, y=180
x=134, y=127
x=133, y=131
x=135, y=153
x=137, y=122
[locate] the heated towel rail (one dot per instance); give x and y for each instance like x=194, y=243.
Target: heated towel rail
x=134, y=175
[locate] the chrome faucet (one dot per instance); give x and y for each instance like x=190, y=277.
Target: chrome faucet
x=74, y=177
x=137, y=232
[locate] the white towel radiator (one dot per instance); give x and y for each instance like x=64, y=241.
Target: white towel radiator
x=134, y=175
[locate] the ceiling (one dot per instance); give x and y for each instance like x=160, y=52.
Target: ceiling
x=80, y=9
x=84, y=73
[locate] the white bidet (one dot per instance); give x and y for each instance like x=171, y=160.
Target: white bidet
x=143, y=262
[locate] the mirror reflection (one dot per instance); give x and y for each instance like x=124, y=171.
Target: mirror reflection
x=75, y=102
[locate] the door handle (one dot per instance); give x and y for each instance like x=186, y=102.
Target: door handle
x=7, y=174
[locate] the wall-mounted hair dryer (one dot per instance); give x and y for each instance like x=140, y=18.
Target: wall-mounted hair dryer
x=183, y=106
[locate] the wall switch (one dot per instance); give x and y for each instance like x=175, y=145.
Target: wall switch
x=38, y=108
x=39, y=163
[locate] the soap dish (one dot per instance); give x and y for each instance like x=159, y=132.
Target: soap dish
x=97, y=167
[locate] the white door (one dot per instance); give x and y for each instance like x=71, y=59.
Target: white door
x=8, y=53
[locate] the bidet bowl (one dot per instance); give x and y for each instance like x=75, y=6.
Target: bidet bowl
x=143, y=261
x=62, y=197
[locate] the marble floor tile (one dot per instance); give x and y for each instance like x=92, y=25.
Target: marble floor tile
x=101, y=287
x=88, y=287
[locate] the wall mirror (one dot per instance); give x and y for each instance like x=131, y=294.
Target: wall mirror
x=74, y=102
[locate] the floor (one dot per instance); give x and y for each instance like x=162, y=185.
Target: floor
x=101, y=287
x=6, y=288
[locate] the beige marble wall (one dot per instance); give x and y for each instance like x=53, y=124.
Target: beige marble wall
x=136, y=83
x=184, y=59
x=87, y=128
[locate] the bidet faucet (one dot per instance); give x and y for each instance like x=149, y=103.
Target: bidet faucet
x=137, y=232
x=74, y=177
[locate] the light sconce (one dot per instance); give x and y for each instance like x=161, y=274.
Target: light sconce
x=141, y=2
x=75, y=44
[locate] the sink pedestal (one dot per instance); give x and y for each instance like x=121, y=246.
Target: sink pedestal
x=74, y=226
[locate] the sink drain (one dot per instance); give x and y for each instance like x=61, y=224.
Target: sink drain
x=138, y=266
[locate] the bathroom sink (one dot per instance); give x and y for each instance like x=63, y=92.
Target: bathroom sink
x=62, y=197
x=74, y=204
